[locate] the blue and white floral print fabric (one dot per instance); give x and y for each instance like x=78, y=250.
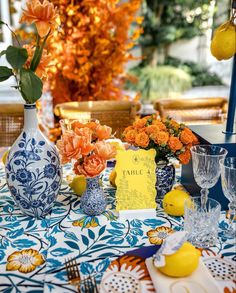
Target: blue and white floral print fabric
x=34, y=251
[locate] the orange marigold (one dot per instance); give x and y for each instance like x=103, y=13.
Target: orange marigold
x=174, y=143
x=187, y=136
x=142, y=140
x=160, y=137
x=184, y=158
x=160, y=125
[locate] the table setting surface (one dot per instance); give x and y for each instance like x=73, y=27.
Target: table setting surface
x=35, y=251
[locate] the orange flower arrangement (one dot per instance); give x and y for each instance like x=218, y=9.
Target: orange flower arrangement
x=85, y=145
x=92, y=47
x=169, y=138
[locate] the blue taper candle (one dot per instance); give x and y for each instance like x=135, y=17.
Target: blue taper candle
x=232, y=101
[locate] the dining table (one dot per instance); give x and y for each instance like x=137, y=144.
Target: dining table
x=33, y=251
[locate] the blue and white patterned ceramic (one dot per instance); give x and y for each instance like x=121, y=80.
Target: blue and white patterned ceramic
x=33, y=170
x=93, y=201
x=165, y=175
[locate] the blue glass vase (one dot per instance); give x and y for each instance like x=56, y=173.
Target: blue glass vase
x=93, y=201
x=165, y=178
x=33, y=170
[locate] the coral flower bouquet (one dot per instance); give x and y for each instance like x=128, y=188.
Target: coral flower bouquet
x=85, y=146
x=170, y=139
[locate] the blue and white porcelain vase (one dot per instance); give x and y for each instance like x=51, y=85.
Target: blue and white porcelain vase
x=93, y=201
x=33, y=170
x=165, y=178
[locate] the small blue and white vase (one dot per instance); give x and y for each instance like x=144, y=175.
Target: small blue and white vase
x=33, y=170
x=93, y=201
x=165, y=178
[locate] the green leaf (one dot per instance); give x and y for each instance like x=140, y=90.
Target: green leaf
x=16, y=56
x=2, y=53
x=2, y=22
x=30, y=85
x=5, y=73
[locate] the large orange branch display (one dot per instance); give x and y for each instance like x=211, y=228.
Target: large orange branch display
x=92, y=48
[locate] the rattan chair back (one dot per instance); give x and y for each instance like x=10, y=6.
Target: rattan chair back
x=11, y=123
x=116, y=114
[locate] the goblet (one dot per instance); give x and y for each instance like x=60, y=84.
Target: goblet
x=228, y=182
x=206, y=167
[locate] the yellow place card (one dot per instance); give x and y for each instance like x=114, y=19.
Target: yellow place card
x=135, y=180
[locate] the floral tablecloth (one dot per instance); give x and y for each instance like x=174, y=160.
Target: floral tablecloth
x=34, y=251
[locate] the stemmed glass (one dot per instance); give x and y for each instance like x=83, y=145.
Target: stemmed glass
x=228, y=182
x=206, y=167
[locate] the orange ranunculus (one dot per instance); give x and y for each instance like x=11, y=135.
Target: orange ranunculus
x=187, y=136
x=140, y=123
x=142, y=140
x=130, y=136
x=184, y=158
x=76, y=124
x=70, y=147
x=92, y=166
x=160, y=137
x=44, y=63
x=103, y=132
x=105, y=150
x=174, y=143
x=42, y=13
x=160, y=125
x=92, y=125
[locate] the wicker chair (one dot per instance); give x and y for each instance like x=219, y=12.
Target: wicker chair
x=11, y=123
x=116, y=114
x=194, y=111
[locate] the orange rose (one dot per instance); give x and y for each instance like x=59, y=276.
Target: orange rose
x=44, y=63
x=130, y=136
x=140, y=123
x=103, y=132
x=142, y=140
x=69, y=147
x=92, y=166
x=174, y=143
x=160, y=137
x=174, y=124
x=105, y=150
x=127, y=129
x=42, y=13
x=92, y=125
x=185, y=157
x=152, y=129
x=187, y=136
x=160, y=125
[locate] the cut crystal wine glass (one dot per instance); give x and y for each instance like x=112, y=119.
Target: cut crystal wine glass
x=228, y=182
x=206, y=167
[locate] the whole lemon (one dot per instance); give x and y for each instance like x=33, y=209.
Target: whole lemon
x=173, y=202
x=78, y=184
x=223, y=45
x=4, y=157
x=182, y=263
x=112, y=178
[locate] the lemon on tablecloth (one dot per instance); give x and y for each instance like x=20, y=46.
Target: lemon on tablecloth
x=173, y=202
x=78, y=184
x=4, y=157
x=183, y=262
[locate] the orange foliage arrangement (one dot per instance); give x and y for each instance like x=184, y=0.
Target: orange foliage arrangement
x=169, y=138
x=91, y=48
x=85, y=145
